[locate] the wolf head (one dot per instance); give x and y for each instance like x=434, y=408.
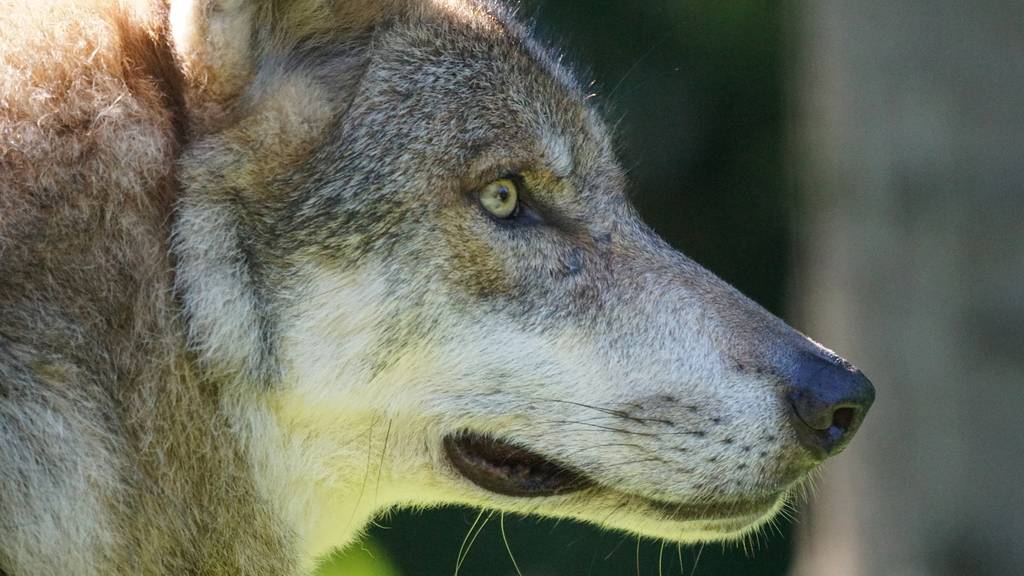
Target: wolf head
x=406, y=253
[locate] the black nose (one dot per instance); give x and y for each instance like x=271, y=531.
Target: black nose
x=828, y=399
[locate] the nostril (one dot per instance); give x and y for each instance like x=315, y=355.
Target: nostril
x=828, y=400
x=843, y=418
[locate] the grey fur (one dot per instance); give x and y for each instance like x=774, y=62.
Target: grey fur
x=151, y=293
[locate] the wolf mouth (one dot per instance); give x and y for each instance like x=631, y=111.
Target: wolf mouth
x=505, y=468
x=510, y=470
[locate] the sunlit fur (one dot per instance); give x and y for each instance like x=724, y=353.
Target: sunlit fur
x=246, y=289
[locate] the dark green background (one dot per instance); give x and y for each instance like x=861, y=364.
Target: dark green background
x=695, y=90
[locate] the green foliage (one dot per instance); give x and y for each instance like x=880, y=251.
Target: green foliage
x=364, y=558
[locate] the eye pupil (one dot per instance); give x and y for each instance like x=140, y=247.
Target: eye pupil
x=500, y=198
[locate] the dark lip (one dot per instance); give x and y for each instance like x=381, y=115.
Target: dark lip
x=508, y=469
x=505, y=468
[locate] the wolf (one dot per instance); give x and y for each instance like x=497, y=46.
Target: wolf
x=271, y=267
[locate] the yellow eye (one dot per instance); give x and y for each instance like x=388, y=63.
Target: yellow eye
x=500, y=198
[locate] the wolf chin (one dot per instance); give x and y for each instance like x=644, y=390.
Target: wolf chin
x=269, y=268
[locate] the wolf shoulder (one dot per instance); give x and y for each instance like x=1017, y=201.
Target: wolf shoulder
x=85, y=154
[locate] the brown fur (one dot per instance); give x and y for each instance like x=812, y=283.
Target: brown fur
x=92, y=118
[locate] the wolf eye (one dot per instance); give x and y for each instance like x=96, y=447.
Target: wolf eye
x=500, y=198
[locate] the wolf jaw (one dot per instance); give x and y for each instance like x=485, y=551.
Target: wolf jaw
x=506, y=469
x=351, y=328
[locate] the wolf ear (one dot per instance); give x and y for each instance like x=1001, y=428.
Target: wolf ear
x=220, y=43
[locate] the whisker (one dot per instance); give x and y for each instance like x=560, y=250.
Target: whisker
x=628, y=462
x=504, y=538
x=609, y=411
x=366, y=473
x=611, y=445
x=608, y=428
x=614, y=510
x=638, y=556
x=465, y=539
x=617, y=546
x=465, y=554
x=661, y=557
x=636, y=64
x=697, y=559
x=380, y=466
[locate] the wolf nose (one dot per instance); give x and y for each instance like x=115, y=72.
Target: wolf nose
x=828, y=399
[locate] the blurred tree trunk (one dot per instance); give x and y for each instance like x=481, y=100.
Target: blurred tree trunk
x=910, y=148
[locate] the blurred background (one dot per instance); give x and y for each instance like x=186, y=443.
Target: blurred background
x=858, y=169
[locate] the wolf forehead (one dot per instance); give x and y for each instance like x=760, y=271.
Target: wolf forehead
x=444, y=97
x=442, y=82
x=456, y=82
